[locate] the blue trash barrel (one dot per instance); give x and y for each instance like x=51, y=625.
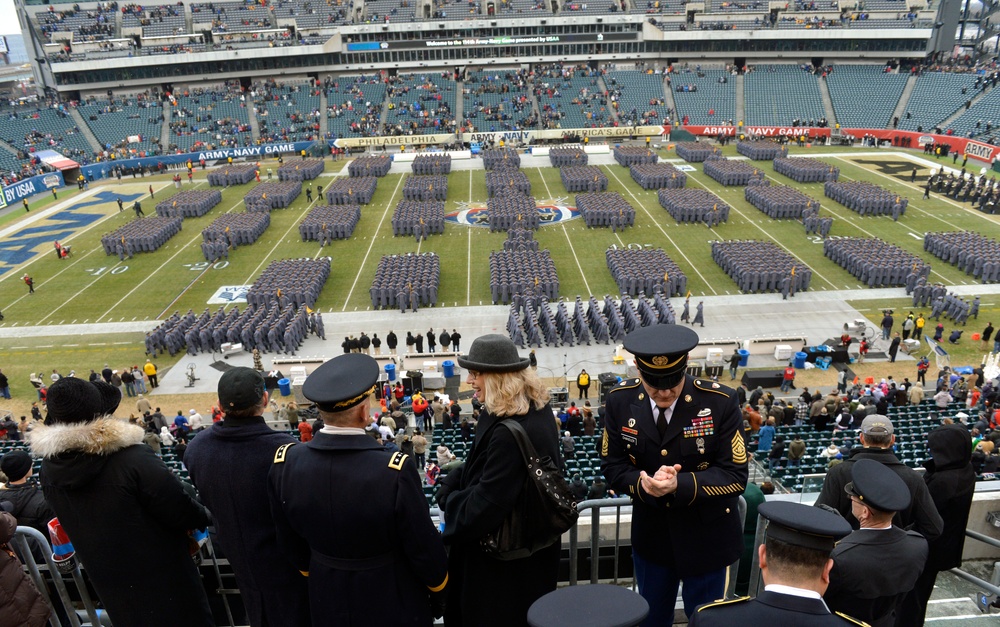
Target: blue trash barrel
x=390, y=371
x=285, y=386
x=800, y=360
x=744, y=357
x=449, y=368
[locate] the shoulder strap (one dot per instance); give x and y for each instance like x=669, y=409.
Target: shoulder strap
x=521, y=437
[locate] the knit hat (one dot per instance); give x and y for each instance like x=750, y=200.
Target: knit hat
x=493, y=353
x=111, y=396
x=15, y=465
x=73, y=400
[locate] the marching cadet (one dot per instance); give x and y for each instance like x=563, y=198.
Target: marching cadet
x=398, y=579
x=795, y=566
x=675, y=445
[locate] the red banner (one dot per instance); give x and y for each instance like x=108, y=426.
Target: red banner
x=903, y=139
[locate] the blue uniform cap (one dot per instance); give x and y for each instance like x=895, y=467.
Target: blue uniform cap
x=661, y=353
x=878, y=486
x=803, y=525
x=342, y=382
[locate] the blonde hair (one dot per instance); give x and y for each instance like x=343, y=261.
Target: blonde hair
x=987, y=446
x=513, y=393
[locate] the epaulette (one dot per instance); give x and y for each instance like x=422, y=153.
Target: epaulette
x=397, y=460
x=712, y=386
x=626, y=384
x=279, y=455
x=852, y=620
x=721, y=602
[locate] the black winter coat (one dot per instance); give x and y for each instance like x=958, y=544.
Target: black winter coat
x=952, y=483
x=128, y=518
x=30, y=510
x=484, y=591
x=229, y=466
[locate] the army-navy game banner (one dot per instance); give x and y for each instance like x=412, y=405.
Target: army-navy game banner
x=28, y=187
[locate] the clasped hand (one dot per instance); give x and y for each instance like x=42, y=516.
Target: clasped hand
x=663, y=482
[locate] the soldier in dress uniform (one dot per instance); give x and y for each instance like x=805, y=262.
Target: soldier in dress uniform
x=396, y=579
x=795, y=566
x=675, y=445
x=876, y=565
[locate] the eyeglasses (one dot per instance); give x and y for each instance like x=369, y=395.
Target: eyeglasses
x=474, y=374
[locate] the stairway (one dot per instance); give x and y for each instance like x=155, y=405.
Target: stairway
x=168, y=115
x=324, y=121
x=254, y=122
x=459, y=103
x=954, y=116
x=668, y=97
x=741, y=115
x=95, y=145
x=613, y=112
x=903, y=99
x=824, y=91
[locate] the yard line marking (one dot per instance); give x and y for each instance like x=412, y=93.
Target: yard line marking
x=23, y=296
x=163, y=265
x=73, y=297
x=361, y=268
x=659, y=226
x=468, y=256
x=572, y=249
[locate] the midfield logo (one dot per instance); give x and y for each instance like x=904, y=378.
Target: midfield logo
x=899, y=170
x=475, y=214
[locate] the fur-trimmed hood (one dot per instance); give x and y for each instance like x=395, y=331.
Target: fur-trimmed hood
x=102, y=436
x=76, y=453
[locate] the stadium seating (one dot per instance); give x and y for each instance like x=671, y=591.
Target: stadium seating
x=864, y=96
x=230, y=17
x=935, y=97
x=986, y=110
x=778, y=94
x=287, y=112
x=578, y=100
x=711, y=95
x=114, y=122
x=354, y=106
x=309, y=15
x=638, y=90
x=202, y=114
x=487, y=108
x=423, y=103
x=44, y=129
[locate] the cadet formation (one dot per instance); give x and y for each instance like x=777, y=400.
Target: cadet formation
x=296, y=282
x=424, y=188
x=406, y=281
x=644, y=271
x=761, y=150
x=805, y=170
x=969, y=251
x=272, y=195
x=326, y=223
x=587, y=178
x=779, y=201
x=867, y=199
x=605, y=209
x=814, y=224
x=694, y=205
x=512, y=271
x=629, y=156
x=418, y=219
x=351, y=191
x=370, y=166
x=731, y=172
x=140, y=235
x=657, y=176
x=512, y=210
x=189, y=203
x=758, y=266
x=874, y=262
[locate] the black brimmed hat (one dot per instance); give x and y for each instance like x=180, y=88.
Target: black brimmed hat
x=342, y=383
x=803, y=525
x=661, y=353
x=493, y=353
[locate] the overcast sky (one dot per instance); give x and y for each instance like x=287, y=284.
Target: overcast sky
x=8, y=19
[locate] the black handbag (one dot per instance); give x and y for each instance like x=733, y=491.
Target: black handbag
x=545, y=509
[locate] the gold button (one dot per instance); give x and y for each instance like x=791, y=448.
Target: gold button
x=628, y=446
x=727, y=510
x=663, y=452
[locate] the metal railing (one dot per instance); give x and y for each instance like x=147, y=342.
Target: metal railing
x=41, y=544
x=958, y=572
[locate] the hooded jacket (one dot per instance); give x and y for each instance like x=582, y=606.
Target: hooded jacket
x=951, y=482
x=128, y=517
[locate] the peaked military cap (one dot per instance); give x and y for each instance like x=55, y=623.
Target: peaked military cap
x=661, y=353
x=803, y=525
x=343, y=382
x=878, y=486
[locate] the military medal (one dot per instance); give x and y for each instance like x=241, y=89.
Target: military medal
x=700, y=442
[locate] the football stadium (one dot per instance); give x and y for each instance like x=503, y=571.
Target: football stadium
x=763, y=234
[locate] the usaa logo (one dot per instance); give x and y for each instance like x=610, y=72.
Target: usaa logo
x=472, y=214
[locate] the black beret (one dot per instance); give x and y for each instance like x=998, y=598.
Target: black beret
x=342, y=382
x=803, y=525
x=661, y=353
x=878, y=486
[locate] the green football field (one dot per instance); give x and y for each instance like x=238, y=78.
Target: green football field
x=92, y=287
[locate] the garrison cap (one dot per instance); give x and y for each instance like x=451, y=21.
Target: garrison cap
x=803, y=525
x=878, y=486
x=343, y=382
x=661, y=353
